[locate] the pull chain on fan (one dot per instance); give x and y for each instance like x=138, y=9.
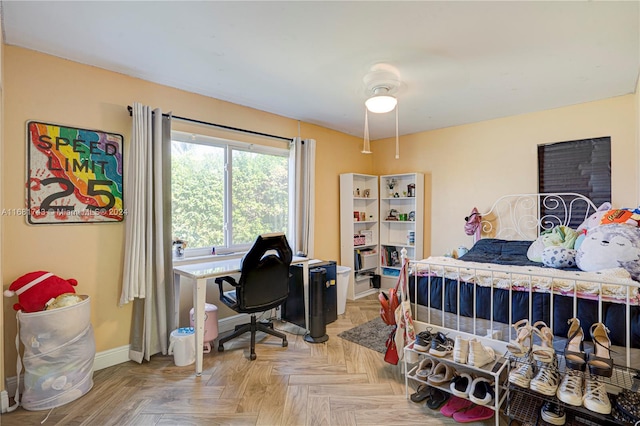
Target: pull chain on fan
x=382, y=83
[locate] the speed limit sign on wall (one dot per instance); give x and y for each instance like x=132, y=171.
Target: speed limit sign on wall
x=74, y=175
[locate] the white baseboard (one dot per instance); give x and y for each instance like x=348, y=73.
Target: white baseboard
x=4, y=401
x=111, y=357
x=10, y=383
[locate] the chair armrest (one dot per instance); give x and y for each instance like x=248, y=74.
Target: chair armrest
x=224, y=299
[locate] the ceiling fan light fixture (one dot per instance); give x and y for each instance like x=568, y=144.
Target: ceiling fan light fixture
x=381, y=101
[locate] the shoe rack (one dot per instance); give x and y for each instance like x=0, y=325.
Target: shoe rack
x=496, y=371
x=524, y=404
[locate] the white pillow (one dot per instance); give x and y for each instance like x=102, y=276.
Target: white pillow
x=534, y=253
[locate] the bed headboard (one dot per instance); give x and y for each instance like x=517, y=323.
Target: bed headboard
x=525, y=216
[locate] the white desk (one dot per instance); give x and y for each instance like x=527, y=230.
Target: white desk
x=201, y=272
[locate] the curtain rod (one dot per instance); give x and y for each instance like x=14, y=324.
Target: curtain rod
x=222, y=126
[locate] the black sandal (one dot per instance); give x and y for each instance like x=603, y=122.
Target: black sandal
x=600, y=362
x=423, y=392
x=574, y=354
x=437, y=398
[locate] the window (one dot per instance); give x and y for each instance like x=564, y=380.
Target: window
x=225, y=193
x=581, y=166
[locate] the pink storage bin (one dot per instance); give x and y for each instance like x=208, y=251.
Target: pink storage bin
x=210, y=324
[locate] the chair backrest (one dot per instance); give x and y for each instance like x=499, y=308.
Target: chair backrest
x=264, y=280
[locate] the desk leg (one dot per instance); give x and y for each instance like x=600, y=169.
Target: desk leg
x=305, y=284
x=176, y=302
x=199, y=299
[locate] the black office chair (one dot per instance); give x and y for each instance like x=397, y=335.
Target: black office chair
x=263, y=285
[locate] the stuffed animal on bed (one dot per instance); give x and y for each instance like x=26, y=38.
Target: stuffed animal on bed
x=559, y=257
x=628, y=216
x=35, y=289
x=594, y=220
x=611, y=246
x=558, y=236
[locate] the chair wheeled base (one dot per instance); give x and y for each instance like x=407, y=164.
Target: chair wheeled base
x=252, y=327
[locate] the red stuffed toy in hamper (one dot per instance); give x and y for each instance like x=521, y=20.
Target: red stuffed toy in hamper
x=54, y=327
x=35, y=289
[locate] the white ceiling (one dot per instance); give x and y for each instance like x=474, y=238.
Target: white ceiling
x=459, y=62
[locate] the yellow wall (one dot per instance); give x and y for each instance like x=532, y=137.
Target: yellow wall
x=42, y=87
x=464, y=166
x=474, y=164
x=636, y=114
x=2, y=383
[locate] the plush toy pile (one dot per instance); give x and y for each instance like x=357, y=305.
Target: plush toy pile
x=609, y=238
x=36, y=290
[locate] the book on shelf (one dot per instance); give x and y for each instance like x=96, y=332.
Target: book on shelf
x=390, y=256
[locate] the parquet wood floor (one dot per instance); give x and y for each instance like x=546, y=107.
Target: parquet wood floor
x=331, y=383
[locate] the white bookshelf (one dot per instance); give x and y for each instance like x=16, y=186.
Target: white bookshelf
x=401, y=215
x=359, y=216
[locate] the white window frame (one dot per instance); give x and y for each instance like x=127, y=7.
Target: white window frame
x=229, y=146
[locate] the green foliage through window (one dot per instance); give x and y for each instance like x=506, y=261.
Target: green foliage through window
x=259, y=194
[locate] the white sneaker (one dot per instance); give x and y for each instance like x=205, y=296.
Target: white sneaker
x=570, y=390
x=479, y=354
x=461, y=350
x=595, y=397
x=522, y=375
x=547, y=380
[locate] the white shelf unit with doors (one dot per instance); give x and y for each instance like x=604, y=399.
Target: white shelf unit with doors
x=359, y=229
x=401, y=222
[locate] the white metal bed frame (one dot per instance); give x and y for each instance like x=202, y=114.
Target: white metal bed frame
x=514, y=217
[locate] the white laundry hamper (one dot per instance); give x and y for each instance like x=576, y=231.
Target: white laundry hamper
x=59, y=350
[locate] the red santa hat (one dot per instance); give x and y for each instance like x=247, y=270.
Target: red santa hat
x=35, y=289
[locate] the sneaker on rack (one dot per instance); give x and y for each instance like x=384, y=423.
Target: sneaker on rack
x=461, y=350
x=441, y=345
x=595, y=396
x=479, y=354
x=423, y=341
x=570, y=389
x=547, y=380
x=522, y=375
x=553, y=413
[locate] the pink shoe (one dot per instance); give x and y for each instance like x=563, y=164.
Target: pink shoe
x=454, y=405
x=479, y=412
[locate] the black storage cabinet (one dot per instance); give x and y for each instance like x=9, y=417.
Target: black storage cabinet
x=293, y=308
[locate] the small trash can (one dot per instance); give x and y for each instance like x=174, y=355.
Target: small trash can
x=210, y=324
x=342, y=281
x=182, y=345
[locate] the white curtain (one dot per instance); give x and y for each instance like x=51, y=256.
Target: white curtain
x=147, y=273
x=304, y=153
